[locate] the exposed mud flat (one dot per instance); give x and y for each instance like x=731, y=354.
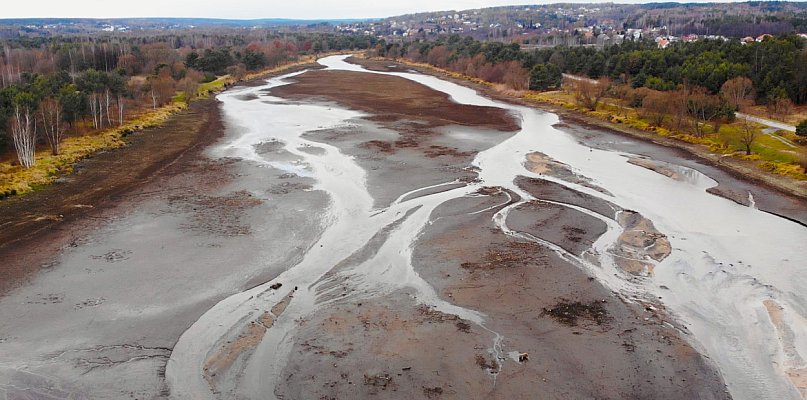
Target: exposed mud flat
x=36, y=225
x=407, y=243
x=389, y=97
x=406, y=137
x=120, y=284
x=364, y=340
x=635, y=353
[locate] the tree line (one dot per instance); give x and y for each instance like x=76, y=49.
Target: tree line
x=694, y=87
x=777, y=67
x=54, y=87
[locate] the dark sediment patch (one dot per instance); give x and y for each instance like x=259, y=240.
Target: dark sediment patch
x=552, y=191
x=570, y=313
x=382, y=94
x=568, y=228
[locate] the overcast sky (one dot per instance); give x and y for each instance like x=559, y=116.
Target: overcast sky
x=242, y=9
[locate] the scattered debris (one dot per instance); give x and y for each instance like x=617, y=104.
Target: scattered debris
x=490, y=365
x=568, y=313
x=276, y=286
x=432, y=315
x=514, y=254
x=114, y=255
x=90, y=303
x=378, y=380
x=434, y=392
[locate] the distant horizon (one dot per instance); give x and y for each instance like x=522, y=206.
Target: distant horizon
x=303, y=10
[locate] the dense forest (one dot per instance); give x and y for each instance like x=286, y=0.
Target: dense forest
x=53, y=87
x=777, y=67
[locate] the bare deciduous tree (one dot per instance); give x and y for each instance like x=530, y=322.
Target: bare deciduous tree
x=779, y=107
x=589, y=92
x=237, y=71
x=657, y=104
x=679, y=101
x=51, y=111
x=747, y=136
x=161, y=88
x=702, y=107
x=737, y=91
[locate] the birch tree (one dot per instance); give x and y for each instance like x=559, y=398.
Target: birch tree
x=23, y=129
x=91, y=82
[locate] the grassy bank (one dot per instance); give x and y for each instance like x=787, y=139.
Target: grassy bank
x=16, y=180
x=767, y=152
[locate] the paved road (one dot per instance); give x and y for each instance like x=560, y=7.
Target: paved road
x=772, y=127
x=580, y=78
x=763, y=121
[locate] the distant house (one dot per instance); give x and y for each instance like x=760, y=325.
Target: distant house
x=636, y=34
x=603, y=40
x=803, y=35
x=690, y=38
x=662, y=42
x=747, y=39
x=764, y=36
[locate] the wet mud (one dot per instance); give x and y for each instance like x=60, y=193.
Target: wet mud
x=414, y=240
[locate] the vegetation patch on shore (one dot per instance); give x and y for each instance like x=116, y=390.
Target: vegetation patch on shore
x=16, y=180
x=568, y=313
x=768, y=153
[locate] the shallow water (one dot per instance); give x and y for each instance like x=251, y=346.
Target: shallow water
x=726, y=260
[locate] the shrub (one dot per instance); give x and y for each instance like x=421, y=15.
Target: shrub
x=801, y=128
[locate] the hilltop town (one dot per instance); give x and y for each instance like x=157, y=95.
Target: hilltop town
x=596, y=24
